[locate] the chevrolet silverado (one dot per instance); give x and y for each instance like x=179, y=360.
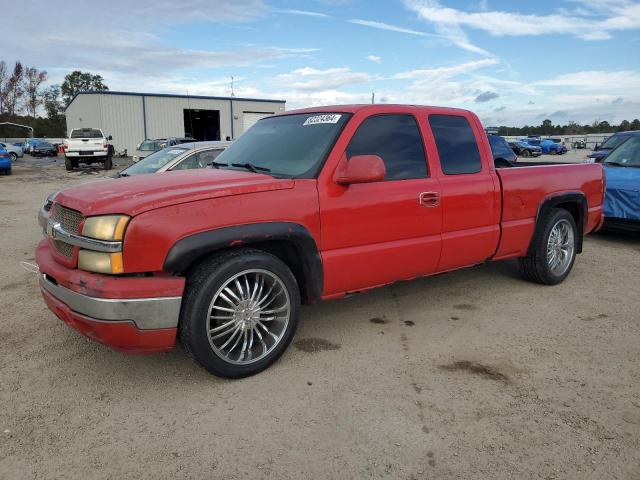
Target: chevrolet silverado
x=307, y=205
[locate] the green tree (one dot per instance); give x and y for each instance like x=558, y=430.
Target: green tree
x=635, y=125
x=624, y=126
x=52, y=102
x=78, y=81
x=33, y=78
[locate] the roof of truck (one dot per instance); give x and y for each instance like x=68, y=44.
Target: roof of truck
x=374, y=107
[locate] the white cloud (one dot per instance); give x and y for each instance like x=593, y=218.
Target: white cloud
x=595, y=21
x=374, y=58
x=621, y=80
x=305, y=13
x=310, y=79
x=441, y=73
x=386, y=26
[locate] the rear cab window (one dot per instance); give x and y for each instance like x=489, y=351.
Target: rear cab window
x=456, y=144
x=86, y=133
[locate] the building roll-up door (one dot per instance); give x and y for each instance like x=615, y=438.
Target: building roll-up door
x=249, y=118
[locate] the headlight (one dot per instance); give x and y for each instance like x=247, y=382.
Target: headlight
x=105, y=227
x=100, y=262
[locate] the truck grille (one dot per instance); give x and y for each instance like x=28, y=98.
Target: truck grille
x=70, y=220
x=64, y=248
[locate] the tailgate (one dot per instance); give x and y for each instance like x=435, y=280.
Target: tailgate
x=85, y=144
x=525, y=189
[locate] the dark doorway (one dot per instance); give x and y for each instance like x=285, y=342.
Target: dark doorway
x=202, y=125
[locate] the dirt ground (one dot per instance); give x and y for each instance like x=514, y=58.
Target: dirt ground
x=475, y=374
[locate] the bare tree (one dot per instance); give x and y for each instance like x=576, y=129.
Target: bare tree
x=3, y=84
x=14, y=90
x=33, y=78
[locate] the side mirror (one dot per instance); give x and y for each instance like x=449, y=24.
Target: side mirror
x=109, y=138
x=360, y=169
x=138, y=146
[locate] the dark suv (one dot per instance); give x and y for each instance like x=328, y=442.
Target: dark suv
x=610, y=144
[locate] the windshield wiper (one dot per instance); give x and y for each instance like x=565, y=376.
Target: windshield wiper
x=251, y=167
x=215, y=164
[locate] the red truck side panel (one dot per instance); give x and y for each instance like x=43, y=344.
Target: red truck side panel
x=524, y=189
x=150, y=235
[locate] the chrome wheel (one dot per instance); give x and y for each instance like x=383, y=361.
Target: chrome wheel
x=248, y=316
x=560, y=247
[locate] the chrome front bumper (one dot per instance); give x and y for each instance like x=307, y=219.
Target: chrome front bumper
x=146, y=313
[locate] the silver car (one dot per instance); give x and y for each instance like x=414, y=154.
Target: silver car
x=178, y=157
x=14, y=151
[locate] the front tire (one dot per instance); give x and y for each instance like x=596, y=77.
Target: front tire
x=240, y=312
x=13, y=156
x=553, y=249
x=108, y=163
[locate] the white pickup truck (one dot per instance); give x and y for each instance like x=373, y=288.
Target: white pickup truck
x=87, y=145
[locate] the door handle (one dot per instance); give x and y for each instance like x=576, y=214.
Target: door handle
x=429, y=199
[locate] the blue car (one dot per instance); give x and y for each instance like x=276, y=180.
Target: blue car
x=622, y=197
x=5, y=162
x=546, y=145
x=610, y=144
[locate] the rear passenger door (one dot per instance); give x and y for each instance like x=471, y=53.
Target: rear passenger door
x=380, y=232
x=470, y=192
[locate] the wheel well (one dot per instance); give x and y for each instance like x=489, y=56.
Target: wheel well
x=576, y=206
x=290, y=256
x=291, y=243
x=287, y=252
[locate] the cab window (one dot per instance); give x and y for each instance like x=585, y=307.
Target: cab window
x=396, y=140
x=457, y=147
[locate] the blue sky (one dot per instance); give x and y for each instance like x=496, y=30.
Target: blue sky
x=513, y=63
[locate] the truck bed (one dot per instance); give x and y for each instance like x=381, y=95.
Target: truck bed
x=526, y=187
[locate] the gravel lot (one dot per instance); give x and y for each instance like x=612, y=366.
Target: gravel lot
x=473, y=374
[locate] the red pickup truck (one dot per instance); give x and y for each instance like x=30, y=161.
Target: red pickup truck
x=307, y=205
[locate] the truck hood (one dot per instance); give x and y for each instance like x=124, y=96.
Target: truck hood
x=141, y=193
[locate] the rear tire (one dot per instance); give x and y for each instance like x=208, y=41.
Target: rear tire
x=69, y=164
x=248, y=293
x=553, y=249
x=525, y=153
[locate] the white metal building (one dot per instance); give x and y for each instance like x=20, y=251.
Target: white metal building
x=133, y=117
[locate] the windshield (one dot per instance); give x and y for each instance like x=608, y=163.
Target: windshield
x=613, y=141
x=627, y=154
x=149, y=146
x=154, y=162
x=86, y=133
x=287, y=145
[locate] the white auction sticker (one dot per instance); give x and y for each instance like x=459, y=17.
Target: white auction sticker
x=328, y=118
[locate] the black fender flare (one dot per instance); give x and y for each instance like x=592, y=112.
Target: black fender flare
x=308, y=262
x=553, y=201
